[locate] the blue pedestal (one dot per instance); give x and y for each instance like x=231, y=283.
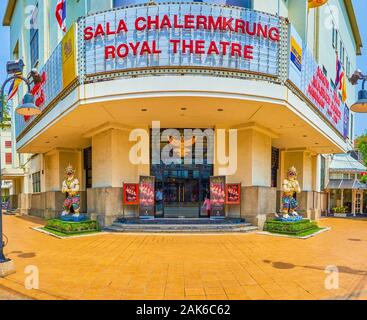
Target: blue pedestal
x=70, y=218
x=290, y=219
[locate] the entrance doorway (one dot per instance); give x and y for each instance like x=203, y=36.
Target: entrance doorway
x=181, y=188
x=181, y=198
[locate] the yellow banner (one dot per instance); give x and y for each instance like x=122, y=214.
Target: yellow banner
x=69, y=57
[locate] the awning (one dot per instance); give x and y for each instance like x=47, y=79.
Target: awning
x=346, y=184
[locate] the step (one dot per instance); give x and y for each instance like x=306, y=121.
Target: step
x=179, y=228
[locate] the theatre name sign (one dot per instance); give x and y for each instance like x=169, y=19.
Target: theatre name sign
x=182, y=35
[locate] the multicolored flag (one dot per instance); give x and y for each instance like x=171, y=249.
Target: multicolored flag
x=14, y=88
x=61, y=14
x=339, y=74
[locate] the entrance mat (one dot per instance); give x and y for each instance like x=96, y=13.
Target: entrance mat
x=69, y=228
x=297, y=228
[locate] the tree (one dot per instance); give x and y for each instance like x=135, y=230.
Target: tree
x=6, y=114
x=361, y=144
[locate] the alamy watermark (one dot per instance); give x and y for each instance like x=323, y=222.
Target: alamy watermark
x=221, y=147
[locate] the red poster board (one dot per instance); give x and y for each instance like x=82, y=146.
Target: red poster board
x=131, y=194
x=233, y=193
x=147, y=197
x=218, y=197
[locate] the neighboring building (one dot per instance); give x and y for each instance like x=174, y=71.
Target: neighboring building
x=12, y=175
x=347, y=195
x=263, y=68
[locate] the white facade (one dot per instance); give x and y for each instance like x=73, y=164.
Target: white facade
x=100, y=108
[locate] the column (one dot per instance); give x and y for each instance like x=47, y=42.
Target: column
x=112, y=167
x=55, y=163
x=254, y=146
x=304, y=162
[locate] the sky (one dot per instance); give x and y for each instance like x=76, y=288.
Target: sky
x=359, y=5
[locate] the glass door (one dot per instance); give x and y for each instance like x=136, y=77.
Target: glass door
x=181, y=198
x=359, y=201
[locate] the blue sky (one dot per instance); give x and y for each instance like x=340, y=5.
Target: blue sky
x=360, y=8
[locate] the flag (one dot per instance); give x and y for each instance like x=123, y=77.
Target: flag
x=61, y=14
x=14, y=88
x=339, y=74
x=344, y=89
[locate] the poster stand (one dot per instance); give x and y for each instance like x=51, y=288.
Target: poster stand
x=130, y=196
x=147, y=198
x=233, y=195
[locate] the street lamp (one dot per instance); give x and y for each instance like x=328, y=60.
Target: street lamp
x=27, y=108
x=361, y=105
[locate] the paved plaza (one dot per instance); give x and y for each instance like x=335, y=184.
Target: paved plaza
x=218, y=266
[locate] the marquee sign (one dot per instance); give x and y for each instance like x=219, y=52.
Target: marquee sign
x=309, y=78
x=181, y=35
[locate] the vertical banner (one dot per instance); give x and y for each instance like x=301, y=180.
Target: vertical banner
x=296, y=57
x=218, y=197
x=346, y=121
x=233, y=193
x=131, y=194
x=146, y=197
x=69, y=57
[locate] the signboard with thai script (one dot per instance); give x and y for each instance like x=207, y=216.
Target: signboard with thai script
x=233, y=193
x=131, y=194
x=146, y=197
x=181, y=35
x=218, y=197
x=309, y=78
x=69, y=57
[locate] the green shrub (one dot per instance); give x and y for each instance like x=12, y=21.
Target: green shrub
x=72, y=227
x=290, y=228
x=340, y=210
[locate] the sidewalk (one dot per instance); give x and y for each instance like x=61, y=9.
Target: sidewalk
x=231, y=266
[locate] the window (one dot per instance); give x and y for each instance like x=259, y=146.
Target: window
x=335, y=37
x=324, y=71
x=8, y=144
x=332, y=83
x=88, y=167
x=274, y=167
x=342, y=53
x=8, y=158
x=36, y=182
x=322, y=175
x=34, y=45
x=348, y=68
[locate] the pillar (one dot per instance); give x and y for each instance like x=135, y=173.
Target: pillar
x=111, y=168
x=308, y=168
x=254, y=147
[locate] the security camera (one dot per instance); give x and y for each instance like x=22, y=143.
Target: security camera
x=15, y=67
x=356, y=76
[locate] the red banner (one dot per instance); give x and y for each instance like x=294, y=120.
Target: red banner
x=131, y=194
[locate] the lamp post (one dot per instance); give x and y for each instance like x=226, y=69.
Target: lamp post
x=27, y=108
x=360, y=106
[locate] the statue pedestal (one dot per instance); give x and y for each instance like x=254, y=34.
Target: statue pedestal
x=7, y=268
x=70, y=218
x=293, y=228
x=289, y=219
x=73, y=225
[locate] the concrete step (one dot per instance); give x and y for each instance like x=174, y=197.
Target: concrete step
x=182, y=228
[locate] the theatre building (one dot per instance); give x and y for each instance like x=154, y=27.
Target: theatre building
x=181, y=101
